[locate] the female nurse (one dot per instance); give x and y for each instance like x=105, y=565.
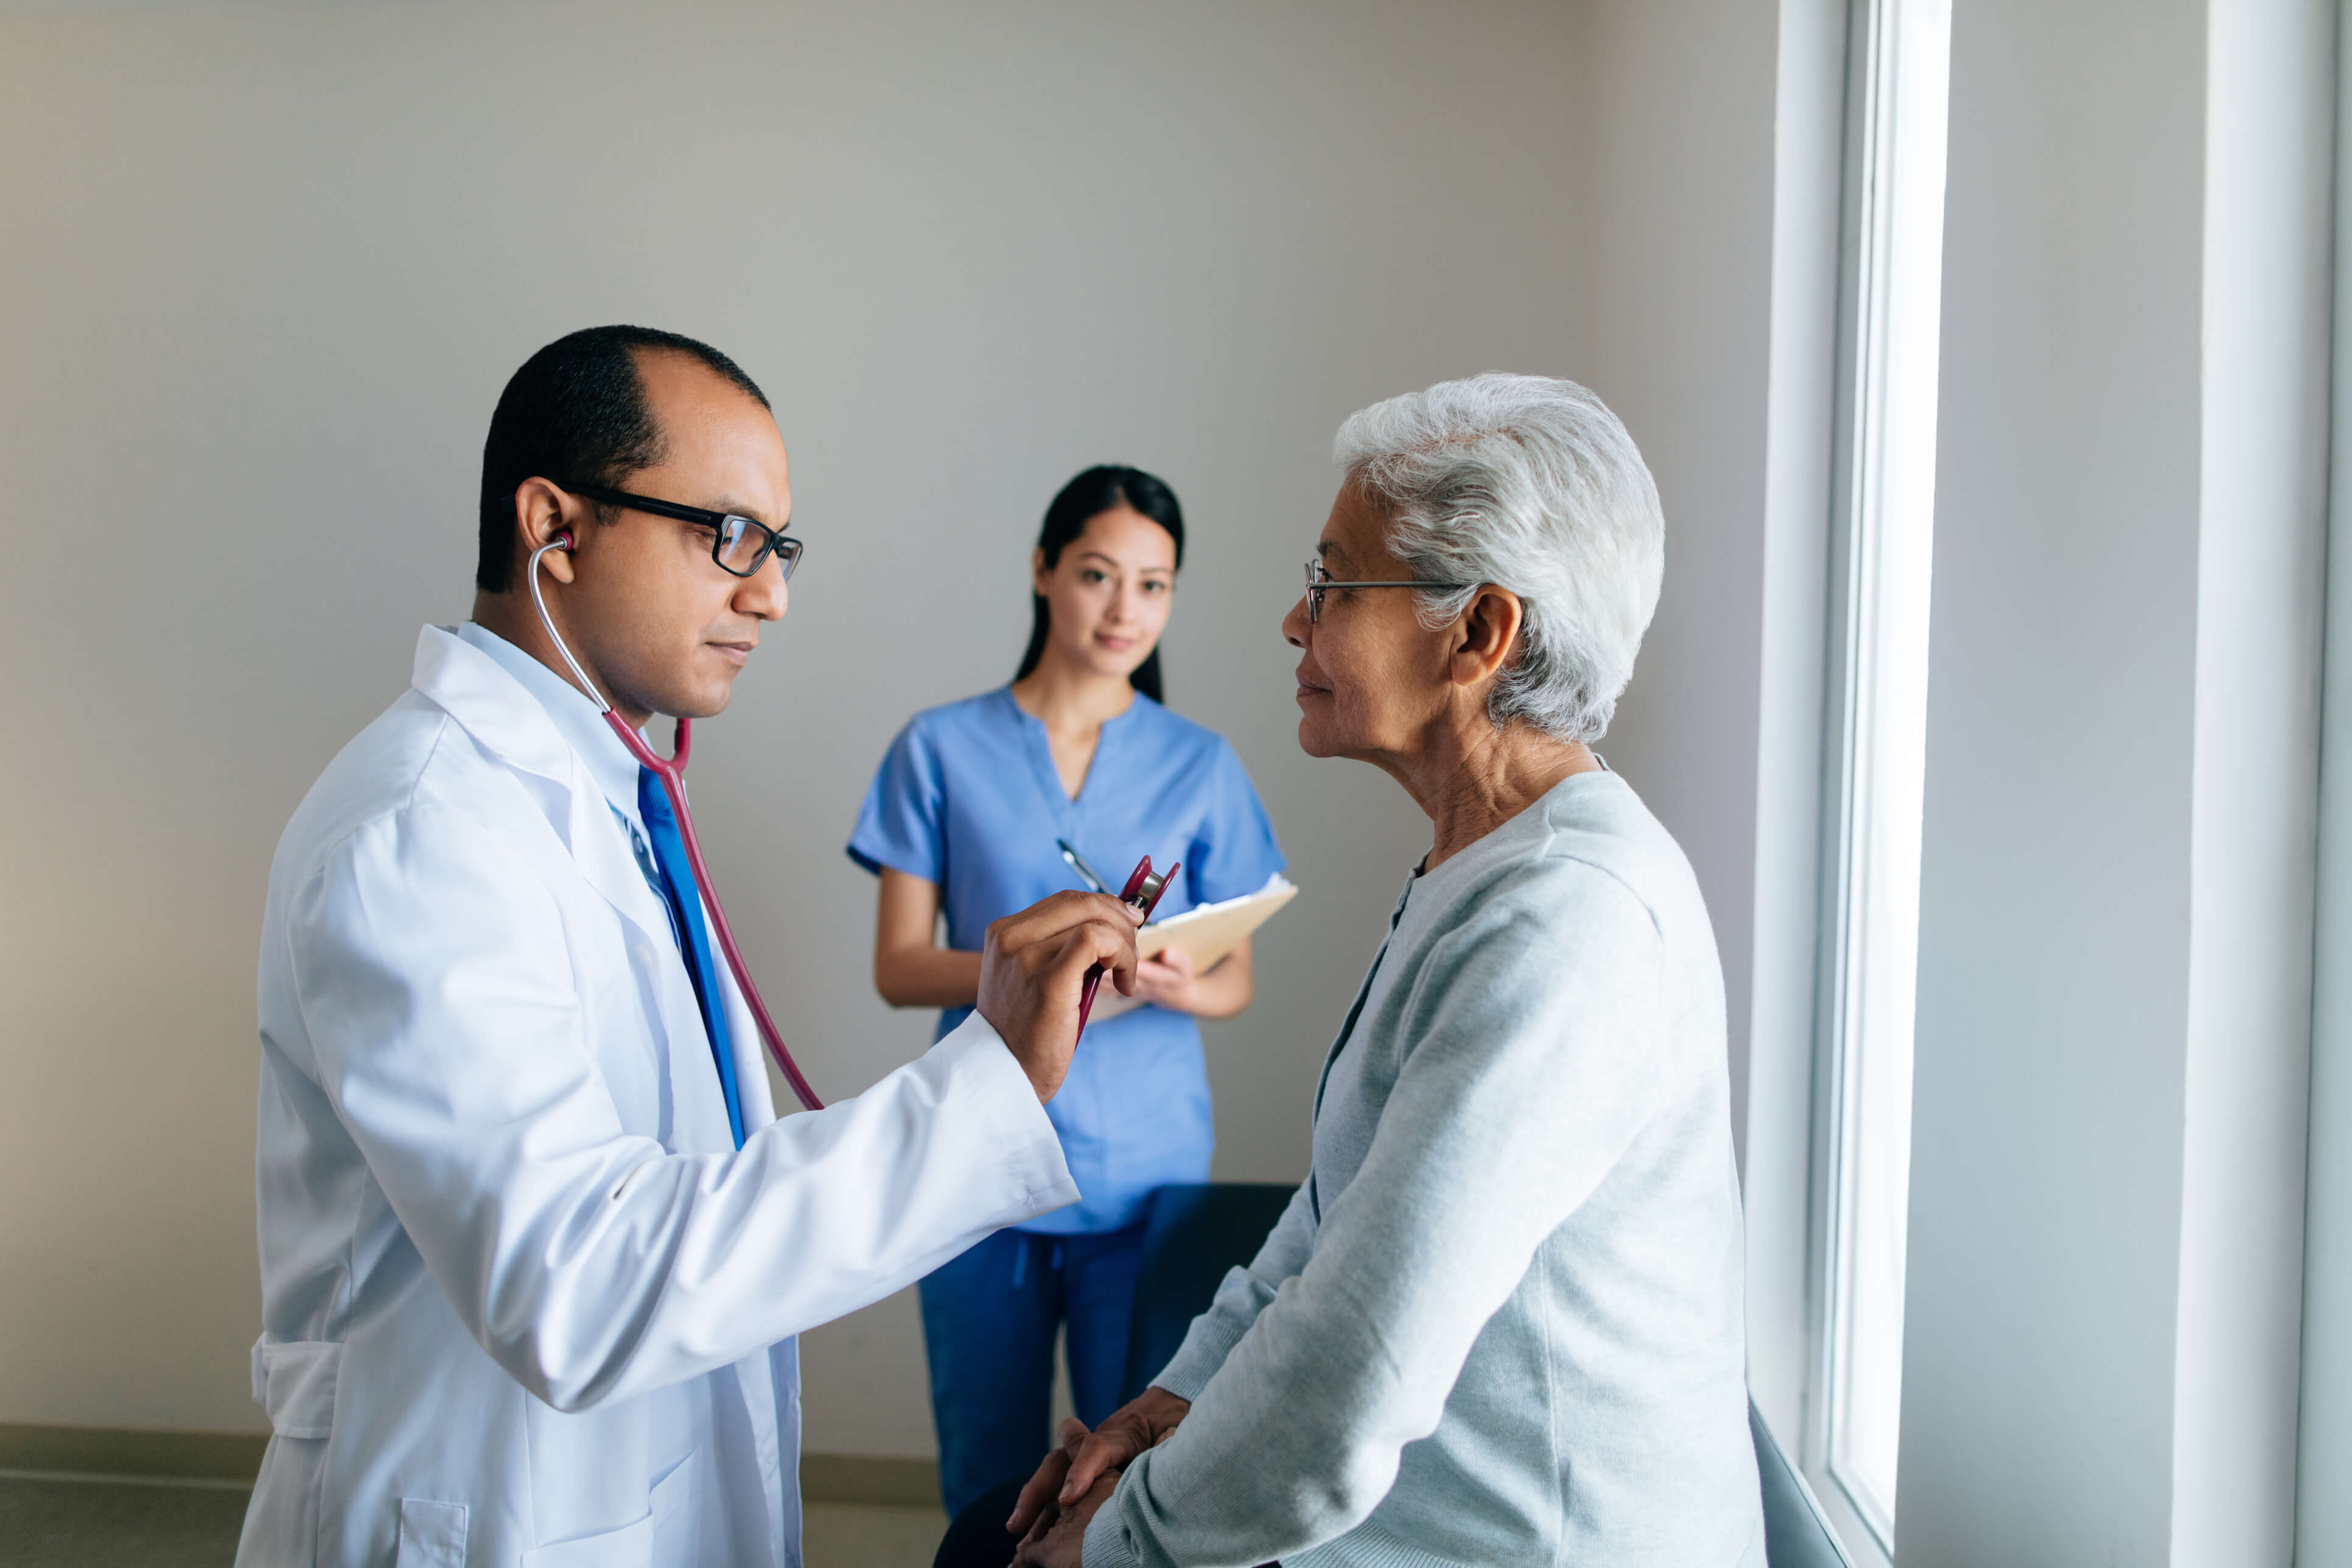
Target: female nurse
x=962, y=822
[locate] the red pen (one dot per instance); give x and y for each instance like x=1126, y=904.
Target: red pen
x=1142, y=890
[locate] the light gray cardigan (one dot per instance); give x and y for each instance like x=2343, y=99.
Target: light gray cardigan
x=1501, y=1321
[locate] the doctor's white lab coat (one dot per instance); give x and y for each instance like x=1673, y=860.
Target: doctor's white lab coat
x=524, y=1303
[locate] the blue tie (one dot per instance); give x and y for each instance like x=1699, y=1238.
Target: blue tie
x=694, y=940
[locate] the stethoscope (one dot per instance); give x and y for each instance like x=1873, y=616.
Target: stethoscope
x=672, y=770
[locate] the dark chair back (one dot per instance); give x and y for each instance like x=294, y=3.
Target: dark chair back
x=1197, y=1231
x=1796, y=1534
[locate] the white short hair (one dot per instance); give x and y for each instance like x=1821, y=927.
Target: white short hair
x=1530, y=484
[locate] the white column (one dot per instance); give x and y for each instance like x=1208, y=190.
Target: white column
x=2255, y=768
x=2323, y=1497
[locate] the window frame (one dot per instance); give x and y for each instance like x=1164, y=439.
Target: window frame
x=1856, y=473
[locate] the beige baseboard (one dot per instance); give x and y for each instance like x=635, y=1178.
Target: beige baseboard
x=236, y=1457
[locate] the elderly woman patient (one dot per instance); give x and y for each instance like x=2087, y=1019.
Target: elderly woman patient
x=1501, y=1321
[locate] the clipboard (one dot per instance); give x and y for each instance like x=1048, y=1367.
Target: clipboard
x=1210, y=932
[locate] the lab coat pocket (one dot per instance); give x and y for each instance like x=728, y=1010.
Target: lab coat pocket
x=431, y=1534
x=669, y=1532
x=678, y=1513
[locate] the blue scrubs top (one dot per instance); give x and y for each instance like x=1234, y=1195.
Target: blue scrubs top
x=968, y=798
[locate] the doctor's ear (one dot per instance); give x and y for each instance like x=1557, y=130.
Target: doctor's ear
x=540, y=519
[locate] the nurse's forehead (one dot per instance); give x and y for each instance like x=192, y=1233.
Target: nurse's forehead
x=1153, y=560
x=1121, y=535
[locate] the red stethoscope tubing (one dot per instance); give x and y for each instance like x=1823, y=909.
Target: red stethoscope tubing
x=672, y=773
x=672, y=770
x=1134, y=880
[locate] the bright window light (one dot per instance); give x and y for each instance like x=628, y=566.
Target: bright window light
x=1897, y=277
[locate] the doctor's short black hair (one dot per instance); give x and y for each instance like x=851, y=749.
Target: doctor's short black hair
x=575, y=414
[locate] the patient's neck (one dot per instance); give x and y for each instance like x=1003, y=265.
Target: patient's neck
x=1472, y=779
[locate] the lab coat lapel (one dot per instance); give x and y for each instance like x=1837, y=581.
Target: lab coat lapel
x=698, y=1123
x=509, y=722
x=697, y=1108
x=698, y=1105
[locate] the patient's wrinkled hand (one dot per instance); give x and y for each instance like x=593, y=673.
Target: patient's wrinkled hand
x=1060, y=1542
x=1038, y=1509
x=1144, y=1423
x=1078, y=1475
x=1035, y=1510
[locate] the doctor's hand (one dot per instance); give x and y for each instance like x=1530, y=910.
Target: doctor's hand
x=1087, y=1460
x=1034, y=964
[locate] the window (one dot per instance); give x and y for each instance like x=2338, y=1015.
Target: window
x=1900, y=69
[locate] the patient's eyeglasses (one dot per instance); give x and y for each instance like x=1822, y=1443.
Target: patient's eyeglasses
x=1320, y=582
x=740, y=544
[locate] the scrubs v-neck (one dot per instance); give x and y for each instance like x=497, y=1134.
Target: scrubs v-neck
x=968, y=798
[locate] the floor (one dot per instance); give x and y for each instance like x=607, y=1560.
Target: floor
x=52, y=1523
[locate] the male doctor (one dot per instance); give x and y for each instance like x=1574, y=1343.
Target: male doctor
x=534, y=1244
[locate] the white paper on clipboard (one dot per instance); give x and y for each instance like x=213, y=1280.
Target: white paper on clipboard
x=1209, y=931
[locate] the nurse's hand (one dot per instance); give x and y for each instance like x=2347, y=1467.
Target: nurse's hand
x=1167, y=979
x=1033, y=966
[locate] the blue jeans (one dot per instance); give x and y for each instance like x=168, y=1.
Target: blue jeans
x=988, y=1318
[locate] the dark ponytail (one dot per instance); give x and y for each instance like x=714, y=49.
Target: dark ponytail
x=1083, y=498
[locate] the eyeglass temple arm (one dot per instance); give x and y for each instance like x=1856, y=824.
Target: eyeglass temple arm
x=659, y=508
x=1335, y=583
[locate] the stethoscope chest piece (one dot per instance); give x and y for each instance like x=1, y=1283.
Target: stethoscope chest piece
x=1147, y=895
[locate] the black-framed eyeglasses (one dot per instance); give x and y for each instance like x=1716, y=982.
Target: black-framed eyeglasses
x=1320, y=582
x=740, y=544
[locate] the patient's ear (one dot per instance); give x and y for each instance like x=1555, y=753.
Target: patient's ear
x=1485, y=638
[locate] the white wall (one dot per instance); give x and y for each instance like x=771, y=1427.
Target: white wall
x=267, y=269
x=1675, y=254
